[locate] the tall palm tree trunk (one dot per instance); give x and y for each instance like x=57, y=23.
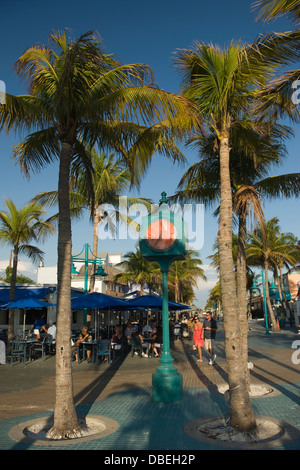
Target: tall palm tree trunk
x=241, y=414
x=268, y=300
x=242, y=292
x=283, y=294
x=96, y=219
x=12, y=290
x=65, y=418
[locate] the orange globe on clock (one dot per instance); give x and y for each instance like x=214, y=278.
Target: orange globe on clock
x=161, y=234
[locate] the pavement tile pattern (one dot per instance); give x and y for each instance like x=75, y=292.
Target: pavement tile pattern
x=122, y=391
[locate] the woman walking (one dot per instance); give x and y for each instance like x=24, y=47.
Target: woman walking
x=198, y=337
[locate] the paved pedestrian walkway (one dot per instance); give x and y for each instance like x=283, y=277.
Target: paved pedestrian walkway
x=122, y=391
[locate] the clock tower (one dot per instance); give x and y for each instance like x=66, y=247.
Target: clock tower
x=162, y=239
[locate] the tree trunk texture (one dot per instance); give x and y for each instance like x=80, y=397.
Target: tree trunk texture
x=268, y=300
x=242, y=293
x=65, y=418
x=283, y=294
x=241, y=414
x=97, y=219
x=12, y=290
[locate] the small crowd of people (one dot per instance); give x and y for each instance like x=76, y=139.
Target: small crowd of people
x=203, y=334
x=135, y=334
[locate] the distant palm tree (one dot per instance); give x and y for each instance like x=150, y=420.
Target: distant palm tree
x=269, y=249
x=98, y=193
x=184, y=275
x=138, y=270
x=19, y=227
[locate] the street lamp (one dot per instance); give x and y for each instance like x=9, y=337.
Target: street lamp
x=255, y=288
x=162, y=239
x=83, y=257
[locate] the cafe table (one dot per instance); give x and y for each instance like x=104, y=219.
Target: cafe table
x=28, y=345
x=85, y=346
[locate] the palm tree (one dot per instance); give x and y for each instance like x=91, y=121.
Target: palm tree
x=79, y=95
x=290, y=245
x=280, y=96
x=18, y=228
x=110, y=180
x=268, y=248
x=254, y=149
x=138, y=270
x=185, y=274
x=271, y=9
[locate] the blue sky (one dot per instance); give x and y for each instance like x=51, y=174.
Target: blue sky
x=135, y=31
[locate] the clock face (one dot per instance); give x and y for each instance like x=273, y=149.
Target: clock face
x=161, y=234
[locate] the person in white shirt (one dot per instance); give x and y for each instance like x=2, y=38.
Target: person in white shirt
x=52, y=330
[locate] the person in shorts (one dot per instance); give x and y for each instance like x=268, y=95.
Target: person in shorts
x=210, y=329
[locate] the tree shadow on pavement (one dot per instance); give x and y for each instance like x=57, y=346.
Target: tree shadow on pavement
x=93, y=390
x=203, y=378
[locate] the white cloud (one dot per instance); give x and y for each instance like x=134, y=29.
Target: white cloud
x=24, y=267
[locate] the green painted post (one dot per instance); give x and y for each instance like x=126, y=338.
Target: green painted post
x=166, y=381
x=86, y=266
x=162, y=239
x=265, y=302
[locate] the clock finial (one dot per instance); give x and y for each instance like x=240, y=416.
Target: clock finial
x=164, y=199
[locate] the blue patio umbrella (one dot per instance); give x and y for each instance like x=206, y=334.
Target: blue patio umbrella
x=96, y=300
x=22, y=293
x=152, y=301
x=27, y=303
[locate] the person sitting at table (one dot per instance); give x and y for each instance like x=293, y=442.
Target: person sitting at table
x=128, y=330
x=117, y=338
x=127, y=333
x=83, y=336
x=157, y=341
x=137, y=338
x=52, y=332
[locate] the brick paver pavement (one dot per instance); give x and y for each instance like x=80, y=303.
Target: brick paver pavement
x=122, y=391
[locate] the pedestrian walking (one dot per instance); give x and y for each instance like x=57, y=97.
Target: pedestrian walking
x=210, y=329
x=198, y=337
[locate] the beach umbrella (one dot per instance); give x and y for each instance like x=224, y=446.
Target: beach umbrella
x=97, y=300
x=27, y=303
x=153, y=301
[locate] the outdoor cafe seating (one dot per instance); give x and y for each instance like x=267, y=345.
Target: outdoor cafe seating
x=43, y=346
x=103, y=351
x=139, y=347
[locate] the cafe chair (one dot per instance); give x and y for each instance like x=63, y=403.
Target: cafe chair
x=18, y=350
x=103, y=350
x=44, y=346
x=138, y=346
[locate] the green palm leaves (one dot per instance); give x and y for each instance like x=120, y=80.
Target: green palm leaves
x=18, y=228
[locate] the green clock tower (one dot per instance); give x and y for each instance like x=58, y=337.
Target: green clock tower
x=162, y=239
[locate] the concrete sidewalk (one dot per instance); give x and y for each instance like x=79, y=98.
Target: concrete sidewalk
x=122, y=391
